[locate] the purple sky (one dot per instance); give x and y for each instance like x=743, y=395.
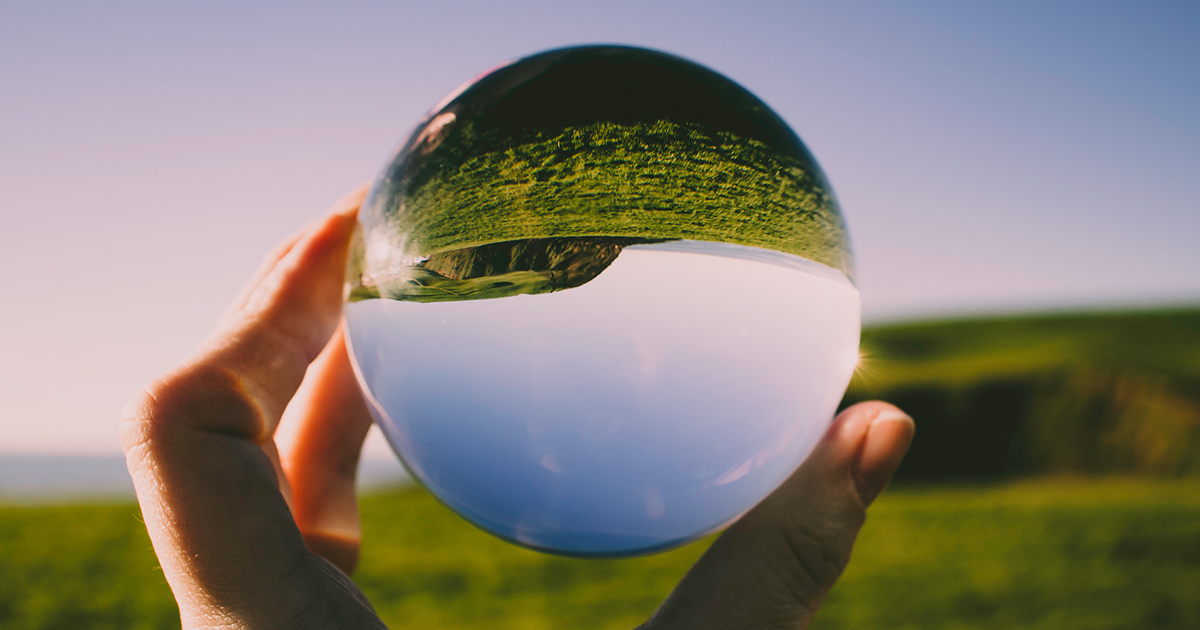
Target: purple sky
x=1012, y=158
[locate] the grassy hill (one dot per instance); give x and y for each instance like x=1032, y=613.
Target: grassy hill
x=1015, y=396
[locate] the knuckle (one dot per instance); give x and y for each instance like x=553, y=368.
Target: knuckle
x=136, y=424
x=142, y=433
x=202, y=397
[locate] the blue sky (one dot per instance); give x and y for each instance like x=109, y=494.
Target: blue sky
x=989, y=157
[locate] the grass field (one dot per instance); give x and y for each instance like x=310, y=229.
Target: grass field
x=1063, y=554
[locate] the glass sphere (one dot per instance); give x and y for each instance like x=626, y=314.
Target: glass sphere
x=601, y=301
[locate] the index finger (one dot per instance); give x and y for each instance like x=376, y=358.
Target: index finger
x=209, y=494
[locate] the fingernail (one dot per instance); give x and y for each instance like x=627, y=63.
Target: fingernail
x=888, y=437
x=891, y=415
x=351, y=202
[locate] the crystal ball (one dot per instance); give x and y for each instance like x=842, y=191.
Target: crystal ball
x=601, y=301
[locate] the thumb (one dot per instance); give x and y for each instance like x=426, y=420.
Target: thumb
x=772, y=568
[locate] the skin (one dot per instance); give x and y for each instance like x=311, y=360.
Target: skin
x=244, y=460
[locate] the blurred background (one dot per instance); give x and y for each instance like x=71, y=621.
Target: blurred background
x=1019, y=181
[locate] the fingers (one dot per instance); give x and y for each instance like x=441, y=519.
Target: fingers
x=772, y=568
x=320, y=439
x=348, y=204
x=260, y=352
x=198, y=444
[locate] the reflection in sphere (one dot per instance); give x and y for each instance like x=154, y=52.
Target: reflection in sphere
x=601, y=301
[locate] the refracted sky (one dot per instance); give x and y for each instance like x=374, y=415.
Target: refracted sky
x=1011, y=157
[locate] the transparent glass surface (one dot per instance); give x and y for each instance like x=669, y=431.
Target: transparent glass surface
x=601, y=302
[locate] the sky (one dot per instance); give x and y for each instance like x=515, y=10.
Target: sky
x=989, y=157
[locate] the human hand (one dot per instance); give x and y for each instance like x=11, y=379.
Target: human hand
x=244, y=461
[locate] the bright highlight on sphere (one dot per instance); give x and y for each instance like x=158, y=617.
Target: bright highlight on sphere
x=601, y=302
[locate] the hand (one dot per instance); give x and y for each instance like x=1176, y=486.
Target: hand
x=244, y=461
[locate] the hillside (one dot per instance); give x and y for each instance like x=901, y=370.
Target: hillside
x=1072, y=393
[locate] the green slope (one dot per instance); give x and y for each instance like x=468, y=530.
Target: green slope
x=1088, y=393
x=1165, y=342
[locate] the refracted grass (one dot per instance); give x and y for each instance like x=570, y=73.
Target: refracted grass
x=656, y=181
x=499, y=270
x=659, y=180
x=1058, y=553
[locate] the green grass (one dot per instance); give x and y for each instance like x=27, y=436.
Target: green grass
x=1053, y=554
x=1064, y=554
x=80, y=566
